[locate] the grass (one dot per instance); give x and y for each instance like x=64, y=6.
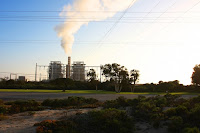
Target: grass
x=57, y=91
x=93, y=92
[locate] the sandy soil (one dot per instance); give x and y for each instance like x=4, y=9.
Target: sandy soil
x=23, y=122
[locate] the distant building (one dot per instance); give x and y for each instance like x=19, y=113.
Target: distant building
x=56, y=70
x=22, y=78
x=78, y=71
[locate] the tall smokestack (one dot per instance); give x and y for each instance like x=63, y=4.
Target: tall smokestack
x=68, y=68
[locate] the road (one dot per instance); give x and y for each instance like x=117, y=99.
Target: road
x=10, y=96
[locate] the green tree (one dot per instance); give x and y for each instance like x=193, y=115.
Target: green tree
x=63, y=83
x=117, y=73
x=92, y=75
x=196, y=75
x=92, y=78
x=134, y=74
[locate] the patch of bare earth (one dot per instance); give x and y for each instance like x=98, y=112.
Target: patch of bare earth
x=23, y=122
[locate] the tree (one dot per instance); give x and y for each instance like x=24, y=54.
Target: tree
x=92, y=77
x=63, y=83
x=134, y=74
x=196, y=75
x=117, y=73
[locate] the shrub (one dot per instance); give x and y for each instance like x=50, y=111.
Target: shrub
x=119, y=102
x=22, y=106
x=156, y=119
x=105, y=121
x=160, y=101
x=91, y=101
x=170, y=112
x=70, y=101
x=194, y=115
x=171, y=99
x=145, y=110
x=110, y=104
x=176, y=124
x=52, y=126
x=3, y=109
x=1, y=102
x=191, y=130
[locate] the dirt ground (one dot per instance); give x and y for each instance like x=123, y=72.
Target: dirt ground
x=23, y=122
x=10, y=96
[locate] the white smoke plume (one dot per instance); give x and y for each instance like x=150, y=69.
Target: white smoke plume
x=91, y=10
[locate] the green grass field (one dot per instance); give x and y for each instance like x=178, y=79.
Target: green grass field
x=92, y=92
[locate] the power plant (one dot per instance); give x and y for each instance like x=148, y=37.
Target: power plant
x=56, y=70
x=76, y=71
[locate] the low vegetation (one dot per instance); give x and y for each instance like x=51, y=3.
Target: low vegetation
x=106, y=121
x=175, y=114
x=71, y=102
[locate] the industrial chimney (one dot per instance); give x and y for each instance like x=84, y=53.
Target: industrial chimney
x=68, y=66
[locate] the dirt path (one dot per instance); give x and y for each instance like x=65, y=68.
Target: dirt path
x=23, y=122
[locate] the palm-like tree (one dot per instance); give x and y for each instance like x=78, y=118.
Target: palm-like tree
x=134, y=77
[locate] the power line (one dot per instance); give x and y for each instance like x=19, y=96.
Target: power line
x=57, y=17
x=88, y=11
x=83, y=19
x=180, y=16
x=158, y=17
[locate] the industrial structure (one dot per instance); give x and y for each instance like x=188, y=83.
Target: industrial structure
x=21, y=78
x=78, y=71
x=68, y=68
x=56, y=70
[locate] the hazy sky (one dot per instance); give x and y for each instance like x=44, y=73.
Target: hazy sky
x=160, y=38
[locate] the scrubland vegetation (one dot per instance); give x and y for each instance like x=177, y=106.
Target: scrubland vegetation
x=176, y=114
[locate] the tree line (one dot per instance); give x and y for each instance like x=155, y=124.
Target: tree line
x=117, y=78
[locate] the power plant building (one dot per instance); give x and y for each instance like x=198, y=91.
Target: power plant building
x=21, y=78
x=78, y=71
x=56, y=70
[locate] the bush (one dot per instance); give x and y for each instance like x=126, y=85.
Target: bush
x=105, y=121
x=3, y=109
x=176, y=124
x=119, y=102
x=194, y=115
x=70, y=101
x=1, y=102
x=170, y=112
x=160, y=101
x=22, y=106
x=52, y=126
x=191, y=130
x=145, y=110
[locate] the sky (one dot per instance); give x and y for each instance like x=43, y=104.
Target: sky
x=160, y=38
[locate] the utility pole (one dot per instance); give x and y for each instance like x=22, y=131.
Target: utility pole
x=36, y=72
x=100, y=73
x=40, y=76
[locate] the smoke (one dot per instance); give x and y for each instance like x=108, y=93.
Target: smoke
x=85, y=11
